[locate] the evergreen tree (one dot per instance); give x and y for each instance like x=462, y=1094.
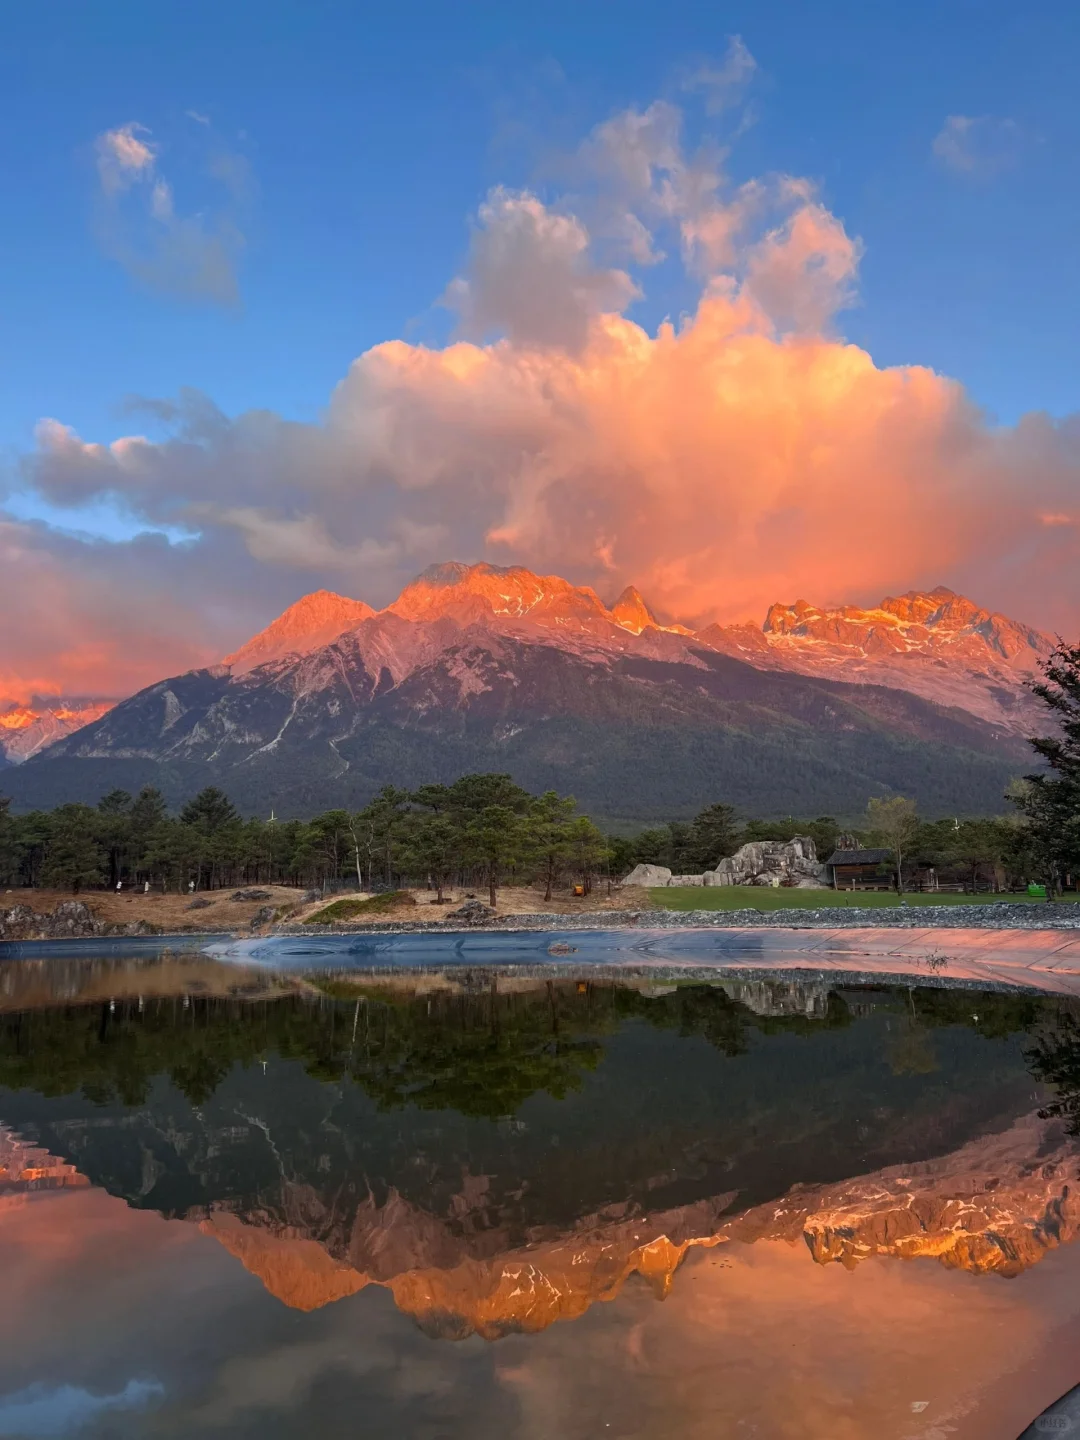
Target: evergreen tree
x=1051, y=799
x=549, y=824
x=114, y=830
x=8, y=843
x=74, y=856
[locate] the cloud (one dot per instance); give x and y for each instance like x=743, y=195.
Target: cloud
x=723, y=84
x=42, y=1410
x=122, y=157
x=977, y=145
x=96, y=619
x=530, y=276
x=743, y=455
x=193, y=256
x=803, y=273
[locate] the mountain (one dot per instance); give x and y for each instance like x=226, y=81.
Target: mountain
x=311, y=623
x=484, y=667
x=937, y=644
x=27, y=729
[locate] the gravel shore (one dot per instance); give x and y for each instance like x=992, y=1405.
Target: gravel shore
x=1039, y=915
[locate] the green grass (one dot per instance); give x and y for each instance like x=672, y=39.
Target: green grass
x=340, y=910
x=755, y=897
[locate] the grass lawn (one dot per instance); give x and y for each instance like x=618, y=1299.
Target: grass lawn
x=758, y=897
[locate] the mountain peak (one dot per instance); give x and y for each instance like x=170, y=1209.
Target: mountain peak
x=27, y=729
x=632, y=613
x=312, y=622
x=475, y=593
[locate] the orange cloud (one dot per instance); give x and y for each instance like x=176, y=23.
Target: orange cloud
x=743, y=456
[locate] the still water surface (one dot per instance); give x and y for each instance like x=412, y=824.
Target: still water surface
x=468, y=1205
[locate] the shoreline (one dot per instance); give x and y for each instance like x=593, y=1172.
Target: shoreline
x=1038, y=915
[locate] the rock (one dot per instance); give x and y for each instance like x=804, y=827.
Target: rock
x=263, y=916
x=135, y=927
x=687, y=880
x=652, y=877
x=200, y=903
x=251, y=895
x=473, y=912
x=71, y=920
x=772, y=862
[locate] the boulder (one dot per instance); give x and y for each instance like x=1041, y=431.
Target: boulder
x=251, y=895
x=772, y=862
x=652, y=877
x=473, y=912
x=687, y=880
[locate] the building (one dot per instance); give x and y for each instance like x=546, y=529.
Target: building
x=860, y=869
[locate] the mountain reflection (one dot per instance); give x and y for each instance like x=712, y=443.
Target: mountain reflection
x=501, y=1153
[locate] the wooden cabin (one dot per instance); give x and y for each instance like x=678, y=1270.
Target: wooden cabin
x=861, y=869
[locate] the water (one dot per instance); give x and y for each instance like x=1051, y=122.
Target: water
x=241, y=1201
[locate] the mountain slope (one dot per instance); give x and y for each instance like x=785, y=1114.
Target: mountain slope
x=312, y=622
x=936, y=644
x=27, y=729
x=631, y=732
x=482, y=667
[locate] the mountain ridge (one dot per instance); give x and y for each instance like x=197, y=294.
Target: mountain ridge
x=488, y=667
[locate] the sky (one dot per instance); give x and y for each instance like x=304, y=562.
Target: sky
x=741, y=303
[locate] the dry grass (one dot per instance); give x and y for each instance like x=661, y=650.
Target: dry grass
x=169, y=913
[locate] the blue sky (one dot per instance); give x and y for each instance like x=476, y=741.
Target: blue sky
x=372, y=132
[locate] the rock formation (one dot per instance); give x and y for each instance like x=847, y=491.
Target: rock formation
x=761, y=862
x=73, y=919
x=771, y=862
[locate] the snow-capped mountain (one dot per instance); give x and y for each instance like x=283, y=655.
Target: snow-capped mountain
x=483, y=667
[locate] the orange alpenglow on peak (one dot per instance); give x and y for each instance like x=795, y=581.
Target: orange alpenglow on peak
x=18, y=719
x=632, y=613
x=314, y=621
x=26, y=729
x=473, y=593
x=921, y=621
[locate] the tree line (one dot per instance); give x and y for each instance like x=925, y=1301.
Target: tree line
x=481, y=830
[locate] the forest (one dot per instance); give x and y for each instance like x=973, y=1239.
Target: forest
x=483, y=830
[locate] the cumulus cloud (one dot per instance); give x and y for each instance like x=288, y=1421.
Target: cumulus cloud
x=193, y=256
x=803, y=272
x=743, y=455
x=978, y=145
x=530, y=276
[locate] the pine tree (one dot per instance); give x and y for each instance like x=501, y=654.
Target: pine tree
x=1051, y=799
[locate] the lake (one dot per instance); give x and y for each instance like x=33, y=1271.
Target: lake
x=464, y=1201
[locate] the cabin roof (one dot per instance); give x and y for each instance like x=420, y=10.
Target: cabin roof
x=859, y=857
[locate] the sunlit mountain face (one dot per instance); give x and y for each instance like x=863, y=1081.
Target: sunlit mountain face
x=25, y=730
x=479, y=667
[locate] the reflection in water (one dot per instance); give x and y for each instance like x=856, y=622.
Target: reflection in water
x=497, y=1153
